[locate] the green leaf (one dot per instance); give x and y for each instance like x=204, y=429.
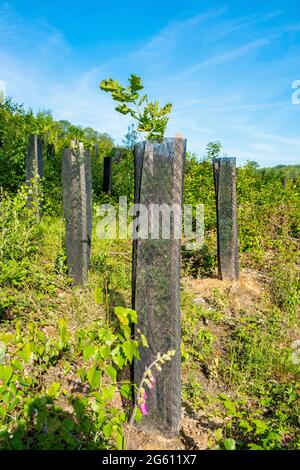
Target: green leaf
x=108, y=392
x=71, y=441
x=166, y=109
x=230, y=407
x=54, y=425
x=17, y=365
x=63, y=333
x=68, y=425
x=104, y=352
x=218, y=434
x=255, y=447
x=122, y=315
x=119, y=436
x=107, y=430
x=94, y=376
x=109, y=85
x=132, y=315
x=98, y=296
x=138, y=416
x=126, y=331
x=261, y=426
x=107, y=336
x=96, y=407
x=79, y=408
x=245, y=425
x=6, y=373
x=135, y=83
x=121, y=96
x=61, y=324
x=229, y=444
x=16, y=443
x=126, y=391
x=141, y=101
x=117, y=357
x=130, y=349
x=223, y=397
x=123, y=109
x=112, y=372
x=126, y=315
x=88, y=351
x=54, y=390
x=26, y=353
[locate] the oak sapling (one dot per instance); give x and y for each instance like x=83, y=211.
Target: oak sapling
x=151, y=118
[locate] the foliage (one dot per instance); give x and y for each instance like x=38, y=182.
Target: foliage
x=254, y=429
x=199, y=263
x=249, y=356
x=63, y=350
x=123, y=178
x=58, y=379
x=31, y=408
x=16, y=124
x=285, y=172
x=150, y=117
x=213, y=150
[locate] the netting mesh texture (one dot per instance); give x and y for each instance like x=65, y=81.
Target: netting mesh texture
x=159, y=170
x=34, y=161
x=77, y=198
x=34, y=172
x=225, y=188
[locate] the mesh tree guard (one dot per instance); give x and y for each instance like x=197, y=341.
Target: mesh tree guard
x=34, y=171
x=159, y=171
x=117, y=155
x=107, y=175
x=225, y=190
x=96, y=150
x=77, y=198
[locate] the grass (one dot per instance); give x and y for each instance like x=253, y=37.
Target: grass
x=55, y=391
x=245, y=380
x=239, y=382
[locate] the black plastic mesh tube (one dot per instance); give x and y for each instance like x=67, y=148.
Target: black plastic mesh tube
x=77, y=198
x=34, y=171
x=225, y=190
x=159, y=170
x=107, y=175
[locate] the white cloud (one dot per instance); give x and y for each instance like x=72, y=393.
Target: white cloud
x=230, y=55
x=168, y=37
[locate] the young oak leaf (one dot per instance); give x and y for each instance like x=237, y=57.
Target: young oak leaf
x=135, y=83
x=110, y=85
x=150, y=119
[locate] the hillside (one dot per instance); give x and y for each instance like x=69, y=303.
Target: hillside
x=64, y=351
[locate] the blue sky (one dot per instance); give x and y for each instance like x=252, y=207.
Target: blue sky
x=227, y=67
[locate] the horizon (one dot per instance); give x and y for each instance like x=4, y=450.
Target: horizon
x=231, y=71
